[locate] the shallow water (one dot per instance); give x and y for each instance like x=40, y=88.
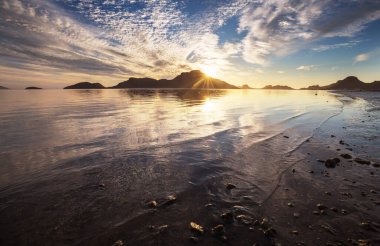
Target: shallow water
x=57, y=147
x=42, y=129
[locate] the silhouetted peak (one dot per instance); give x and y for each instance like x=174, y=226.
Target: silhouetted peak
x=191, y=74
x=85, y=85
x=352, y=79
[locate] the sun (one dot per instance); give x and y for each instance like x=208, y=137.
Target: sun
x=209, y=70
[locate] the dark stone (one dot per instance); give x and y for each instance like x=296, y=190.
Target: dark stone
x=218, y=230
x=230, y=186
x=331, y=163
x=170, y=200
x=152, y=204
x=245, y=219
x=163, y=228
x=227, y=217
x=362, y=161
x=346, y=156
x=193, y=239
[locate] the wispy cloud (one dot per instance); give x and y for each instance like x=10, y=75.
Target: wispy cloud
x=277, y=27
x=306, y=67
x=366, y=56
x=326, y=47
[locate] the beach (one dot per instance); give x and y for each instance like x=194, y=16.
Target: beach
x=104, y=167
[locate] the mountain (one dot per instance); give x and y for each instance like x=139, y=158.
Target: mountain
x=194, y=79
x=352, y=83
x=278, y=87
x=245, y=87
x=3, y=88
x=349, y=83
x=85, y=85
x=33, y=88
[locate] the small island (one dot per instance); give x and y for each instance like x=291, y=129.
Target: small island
x=3, y=88
x=85, y=85
x=33, y=88
x=277, y=87
x=245, y=87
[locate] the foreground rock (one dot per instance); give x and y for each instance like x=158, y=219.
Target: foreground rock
x=362, y=161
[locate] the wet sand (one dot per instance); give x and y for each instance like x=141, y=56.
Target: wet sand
x=271, y=194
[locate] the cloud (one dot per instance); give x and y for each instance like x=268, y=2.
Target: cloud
x=366, y=56
x=113, y=38
x=159, y=39
x=306, y=67
x=361, y=58
x=326, y=47
x=281, y=27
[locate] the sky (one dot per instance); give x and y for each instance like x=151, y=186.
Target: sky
x=55, y=43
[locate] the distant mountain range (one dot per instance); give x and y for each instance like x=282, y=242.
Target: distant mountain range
x=191, y=80
x=198, y=80
x=349, y=83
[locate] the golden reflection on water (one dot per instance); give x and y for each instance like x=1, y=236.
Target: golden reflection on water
x=48, y=126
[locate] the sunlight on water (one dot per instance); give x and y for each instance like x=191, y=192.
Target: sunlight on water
x=44, y=128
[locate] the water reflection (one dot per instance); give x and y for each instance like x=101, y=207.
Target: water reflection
x=57, y=146
x=45, y=128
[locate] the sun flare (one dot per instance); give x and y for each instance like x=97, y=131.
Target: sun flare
x=209, y=70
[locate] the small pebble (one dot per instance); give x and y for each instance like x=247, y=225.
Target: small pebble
x=118, y=243
x=193, y=239
x=196, y=228
x=163, y=228
x=152, y=204
x=230, y=186
x=218, y=230
x=228, y=217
